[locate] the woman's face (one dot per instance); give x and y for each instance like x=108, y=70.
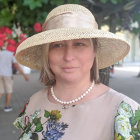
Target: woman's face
x=71, y=60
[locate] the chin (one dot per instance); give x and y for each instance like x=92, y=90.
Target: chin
x=70, y=78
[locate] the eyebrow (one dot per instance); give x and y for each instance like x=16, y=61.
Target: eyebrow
x=83, y=40
x=56, y=42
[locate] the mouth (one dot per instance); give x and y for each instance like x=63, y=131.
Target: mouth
x=69, y=69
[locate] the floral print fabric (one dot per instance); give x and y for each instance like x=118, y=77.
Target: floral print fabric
x=32, y=125
x=54, y=123
x=127, y=123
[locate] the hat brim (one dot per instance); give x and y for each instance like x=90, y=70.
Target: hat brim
x=111, y=48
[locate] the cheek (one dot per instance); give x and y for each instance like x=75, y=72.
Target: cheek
x=54, y=60
x=51, y=60
x=88, y=59
x=52, y=57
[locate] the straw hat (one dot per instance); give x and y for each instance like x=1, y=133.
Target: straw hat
x=72, y=21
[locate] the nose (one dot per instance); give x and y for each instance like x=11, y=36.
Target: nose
x=68, y=53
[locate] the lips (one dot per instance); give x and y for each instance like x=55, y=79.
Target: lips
x=69, y=69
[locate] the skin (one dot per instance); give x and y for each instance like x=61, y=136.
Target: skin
x=71, y=61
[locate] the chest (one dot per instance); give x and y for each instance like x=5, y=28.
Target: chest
x=80, y=124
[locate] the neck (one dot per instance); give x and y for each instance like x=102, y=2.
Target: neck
x=68, y=91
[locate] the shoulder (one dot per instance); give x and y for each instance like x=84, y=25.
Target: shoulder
x=110, y=95
x=38, y=95
x=120, y=97
x=7, y=52
x=114, y=99
x=101, y=89
x=37, y=100
x=116, y=95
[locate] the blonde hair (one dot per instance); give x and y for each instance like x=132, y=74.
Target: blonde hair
x=47, y=77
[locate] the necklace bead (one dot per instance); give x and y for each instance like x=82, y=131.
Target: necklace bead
x=74, y=100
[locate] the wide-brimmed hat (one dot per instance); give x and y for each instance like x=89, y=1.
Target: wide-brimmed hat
x=67, y=22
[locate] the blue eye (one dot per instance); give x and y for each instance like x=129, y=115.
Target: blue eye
x=79, y=44
x=56, y=45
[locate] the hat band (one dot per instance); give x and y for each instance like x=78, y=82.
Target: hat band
x=70, y=20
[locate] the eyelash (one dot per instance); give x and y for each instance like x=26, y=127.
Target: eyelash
x=61, y=45
x=56, y=45
x=79, y=44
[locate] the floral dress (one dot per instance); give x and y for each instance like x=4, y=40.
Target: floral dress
x=127, y=123
x=109, y=116
x=31, y=125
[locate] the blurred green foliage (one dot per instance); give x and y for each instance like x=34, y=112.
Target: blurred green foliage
x=25, y=13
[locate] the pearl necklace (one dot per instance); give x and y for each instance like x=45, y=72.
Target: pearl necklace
x=74, y=100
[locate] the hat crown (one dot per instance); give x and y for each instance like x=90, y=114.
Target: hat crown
x=68, y=8
x=70, y=15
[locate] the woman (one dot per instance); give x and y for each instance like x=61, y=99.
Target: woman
x=75, y=105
